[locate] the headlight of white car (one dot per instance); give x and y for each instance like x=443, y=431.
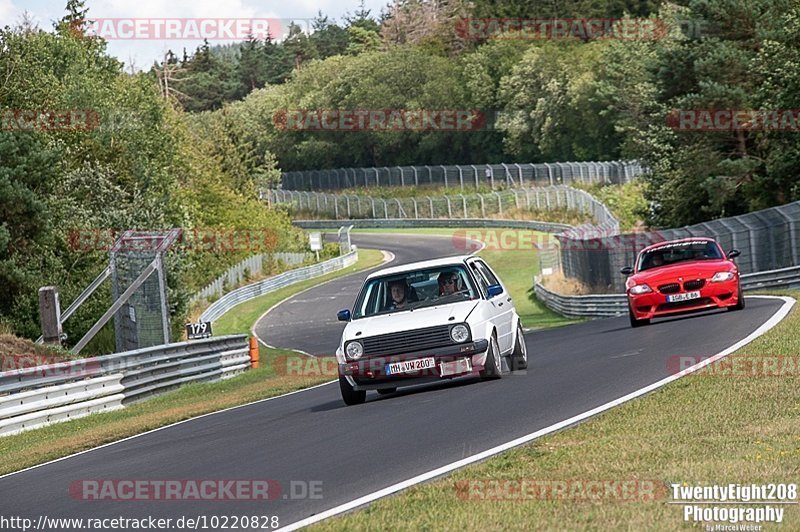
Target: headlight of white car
x=722, y=276
x=459, y=333
x=640, y=289
x=354, y=350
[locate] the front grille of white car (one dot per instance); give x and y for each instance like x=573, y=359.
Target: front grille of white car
x=407, y=341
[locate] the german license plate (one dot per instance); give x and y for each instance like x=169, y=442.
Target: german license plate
x=683, y=297
x=410, y=366
x=455, y=367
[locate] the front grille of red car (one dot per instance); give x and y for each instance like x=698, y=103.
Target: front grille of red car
x=696, y=284
x=685, y=304
x=407, y=341
x=669, y=288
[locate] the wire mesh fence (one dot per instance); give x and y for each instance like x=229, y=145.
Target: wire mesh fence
x=456, y=206
x=142, y=320
x=768, y=239
x=511, y=175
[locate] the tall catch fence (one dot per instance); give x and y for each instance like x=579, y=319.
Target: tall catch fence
x=511, y=175
x=768, y=240
x=455, y=206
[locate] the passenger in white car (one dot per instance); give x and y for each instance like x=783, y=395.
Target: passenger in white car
x=398, y=291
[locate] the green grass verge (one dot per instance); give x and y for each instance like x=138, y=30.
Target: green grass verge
x=701, y=430
x=516, y=268
x=61, y=439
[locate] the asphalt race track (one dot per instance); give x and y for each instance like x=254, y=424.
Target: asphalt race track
x=353, y=451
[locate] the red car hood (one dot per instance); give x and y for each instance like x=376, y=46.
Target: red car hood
x=694, y=269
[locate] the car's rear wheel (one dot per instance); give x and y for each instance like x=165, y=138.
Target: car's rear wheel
x=740, y=300
x=349, y=395
x=636, y=322
x=387, y=391
x=519, y=357
x=491, y=368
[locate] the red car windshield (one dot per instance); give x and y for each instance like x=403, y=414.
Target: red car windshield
x=679, y=252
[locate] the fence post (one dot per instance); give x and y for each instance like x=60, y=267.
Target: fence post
x=50, y=314
x=460, y=176
x=402, y=177
x=444, y=173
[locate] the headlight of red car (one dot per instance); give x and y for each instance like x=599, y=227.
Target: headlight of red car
x=640, y=289
x=720, y=277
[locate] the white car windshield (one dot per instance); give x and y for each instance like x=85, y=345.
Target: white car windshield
x=414, y=289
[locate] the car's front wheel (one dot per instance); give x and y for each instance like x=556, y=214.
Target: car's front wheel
x=493, y=364
x=349, y=395
x=740, y=300
x=519, y=357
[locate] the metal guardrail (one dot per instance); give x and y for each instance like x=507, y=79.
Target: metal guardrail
x=37, y=396
x=245, y=293
x=461, y=176
x=609, y=305
x=249, y=266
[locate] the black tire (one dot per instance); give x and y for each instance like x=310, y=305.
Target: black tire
x=634, y=322
x=387, y=391
x=519, y=357
x=493, y=365
x=740, y=303
x=349, y=395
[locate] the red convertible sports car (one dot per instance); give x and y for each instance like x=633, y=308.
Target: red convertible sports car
x=682, y=276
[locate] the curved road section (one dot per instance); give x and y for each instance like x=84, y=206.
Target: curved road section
x=319, y=454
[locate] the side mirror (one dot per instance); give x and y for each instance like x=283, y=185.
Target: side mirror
x=344, y=315
x=732, y=254
x=494, y=290
x=627, y=270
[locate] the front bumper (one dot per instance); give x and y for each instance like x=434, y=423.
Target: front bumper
x=712, y=295
x=370, y=373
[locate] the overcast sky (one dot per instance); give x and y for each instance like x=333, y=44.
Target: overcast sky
x=142, y=52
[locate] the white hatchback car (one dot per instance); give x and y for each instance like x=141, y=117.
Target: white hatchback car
x=428, y=321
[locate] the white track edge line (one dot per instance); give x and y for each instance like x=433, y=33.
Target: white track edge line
x=776, y=318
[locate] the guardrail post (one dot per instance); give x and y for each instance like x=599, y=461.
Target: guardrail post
x=50, y=313
x=460, y=176
x=255, y=361
x=444, y=173
x=416, y=177
x=402, y=177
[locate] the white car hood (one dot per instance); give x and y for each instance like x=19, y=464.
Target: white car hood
x=409, y=320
